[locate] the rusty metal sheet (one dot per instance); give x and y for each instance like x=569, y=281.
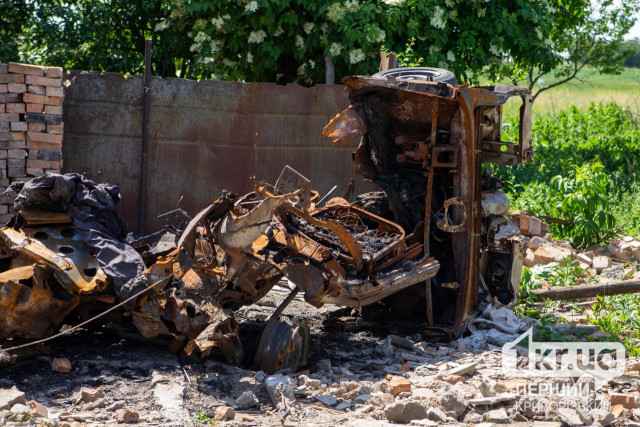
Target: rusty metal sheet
x=62, y=249
x=32, y=304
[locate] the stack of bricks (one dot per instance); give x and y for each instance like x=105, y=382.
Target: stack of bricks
x=30, y=125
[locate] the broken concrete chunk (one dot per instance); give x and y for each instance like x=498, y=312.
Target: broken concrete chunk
x=619, y=251
x=91, y=395
x=493, y=400
x=362, y=398
x=326, y=399
x=38, y=410
x=247, y=400
x=404, y=412
x=9, y=397
x=279, y=386
x=537, y=242
x=452, y=402
x=466, y=369
x=600, y=262
x=21, y=409
x=570, y=417
x=126, y=416
x=436, y=414
x=548, y=254
x=584, y=258
x=498, y=416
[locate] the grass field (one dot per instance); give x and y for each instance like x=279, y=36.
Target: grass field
x=624, y=89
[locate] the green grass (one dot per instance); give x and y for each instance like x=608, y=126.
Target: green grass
x=623, y=89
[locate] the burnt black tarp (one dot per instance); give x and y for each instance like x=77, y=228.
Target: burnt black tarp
x=93, y=208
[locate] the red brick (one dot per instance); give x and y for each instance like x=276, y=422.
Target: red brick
x=11, y=78
x=398, y=384
x=43, y=81
x=54, y=91
x=32, y=70
x=16, y=154
x=38, y=145
x=4, y=68
x=4, y=209
x=35, y=108
x=17, y=143
x=4, y=127
x=58, y=171
x=3, y=155
x=49, y=155
x=9, y=117
x=16, y=172
x=37, y=90
x=4, y=88
x=16, y=88
x=15, y=108
x=55, y=129
x=34, y=171
x=18, y=126
x=44, y=164
x=54, y=72
x=37, y=127
x=53, y=109
x=44, y=137
x=17, y=163
x=9, y=97
x=40, y=99
x=2, y=108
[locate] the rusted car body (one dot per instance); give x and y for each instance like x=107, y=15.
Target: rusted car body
x=422, y=143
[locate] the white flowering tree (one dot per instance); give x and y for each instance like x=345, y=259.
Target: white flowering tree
x=257, y=40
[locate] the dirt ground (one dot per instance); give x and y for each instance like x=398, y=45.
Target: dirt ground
x=355, y=377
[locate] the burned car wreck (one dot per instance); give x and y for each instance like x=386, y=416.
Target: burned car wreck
x=434, y=229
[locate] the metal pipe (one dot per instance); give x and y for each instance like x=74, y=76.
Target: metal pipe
x=326, y=197
x=146, y=95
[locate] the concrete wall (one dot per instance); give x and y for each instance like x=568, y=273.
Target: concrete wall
x=204, y=137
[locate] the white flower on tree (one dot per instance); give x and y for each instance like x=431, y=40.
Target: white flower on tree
x=252, y=6
x=308, y=27
x=356, y=55
x=257, y=36
x=335, y=49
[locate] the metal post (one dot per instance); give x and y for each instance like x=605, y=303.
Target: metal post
x=329, y=71
x=146, y=95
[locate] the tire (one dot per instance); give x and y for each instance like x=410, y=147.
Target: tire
x=419, y=73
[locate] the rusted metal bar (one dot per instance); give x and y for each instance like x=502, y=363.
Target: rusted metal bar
x=618, y=287
x=146, y=101
x=278, y=311
x=427, y=208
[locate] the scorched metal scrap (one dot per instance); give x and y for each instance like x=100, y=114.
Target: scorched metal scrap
x=439, y=224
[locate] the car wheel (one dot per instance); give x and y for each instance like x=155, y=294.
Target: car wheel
x=419, y=73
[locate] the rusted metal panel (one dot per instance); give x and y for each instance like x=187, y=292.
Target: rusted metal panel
x=204, y=137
